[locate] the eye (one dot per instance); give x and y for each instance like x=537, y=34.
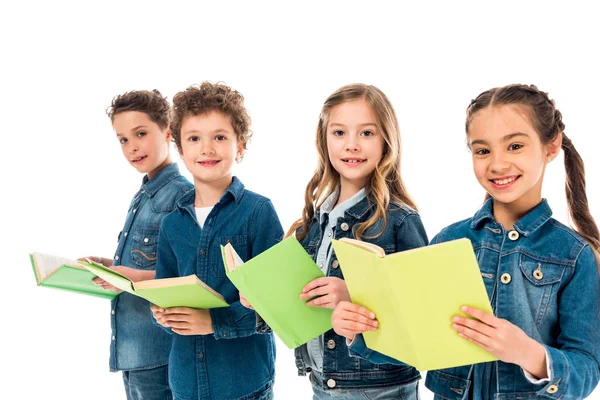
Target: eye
x=338, y=133
x=481, y=152
x=141, y=134
x=193, y=139
x=123, y=140
x=220, y=137
x=515, y=146
x=367, y=133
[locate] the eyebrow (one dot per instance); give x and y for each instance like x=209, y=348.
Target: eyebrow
x=504, y=139
x=213, y=132
x=361, y=125
x=133, y=129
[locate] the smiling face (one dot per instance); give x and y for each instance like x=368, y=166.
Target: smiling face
x=354, y=142
x=509, y=158
x=209, y=147
x=143, y=143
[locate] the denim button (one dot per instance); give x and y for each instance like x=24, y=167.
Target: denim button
x=345, y=226
x=201, y=356
x=335, y=264
x=202, y=252
x=331, y=344
x=117, y=258
x=134, y=210
x=505, y=278
x=113, y=312
x=552, y=389
x=537, y=274
x=331, y=383
x=145, y=240
x=113, y=337
x=513, y=235
x=329, y=234
x=125, y=234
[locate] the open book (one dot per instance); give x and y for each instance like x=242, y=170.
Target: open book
x=184, y=291
x=414, y=295
x=66, y=274
x=272, y=282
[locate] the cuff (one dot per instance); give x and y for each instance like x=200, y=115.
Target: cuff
x=537, y=381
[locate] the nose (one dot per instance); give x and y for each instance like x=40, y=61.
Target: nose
x=206, y=147
x=499, y=163
x=352, y=143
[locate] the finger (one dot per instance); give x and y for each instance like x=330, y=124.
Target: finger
x=356, y=308
x=184, y=332
x=315, y=283
x=355, y=327
x=475, y=325
x=475, y=342
x=178, y=310
x=480, y=315
x=177, y=317
x=318, y=291
x=179, y=324
x=98, y=281
x=469, y=333
x=359, y=318
x=156, y=308
x=320, y=301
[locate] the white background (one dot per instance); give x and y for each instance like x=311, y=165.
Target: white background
x=66, y=186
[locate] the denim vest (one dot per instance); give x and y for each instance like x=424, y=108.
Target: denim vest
x=136, y=342
x=542, y=277
x=235, y=362
x=404, y=230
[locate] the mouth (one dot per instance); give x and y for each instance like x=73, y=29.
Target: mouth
x=353, y=161
x=139, y=159
x=209, y=163
x=504, y=182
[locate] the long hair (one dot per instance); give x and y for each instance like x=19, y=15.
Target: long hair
x=547, y=121
x=385, y=185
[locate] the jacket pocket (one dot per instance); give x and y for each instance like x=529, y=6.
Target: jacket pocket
x=143, y=247
x=542, y=281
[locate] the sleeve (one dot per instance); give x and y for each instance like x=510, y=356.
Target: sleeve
x=574, y=360
x=410, y=234
x=236, y=320
x=166, y=263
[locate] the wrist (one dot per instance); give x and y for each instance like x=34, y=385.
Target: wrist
x=534, y=361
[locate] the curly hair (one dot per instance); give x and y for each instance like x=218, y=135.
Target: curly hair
x=152, y=103
x=207, y=97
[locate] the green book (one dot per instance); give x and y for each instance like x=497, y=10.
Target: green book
x=272, y=282
x=414, y=295
x=66, y=274
x=184, y=291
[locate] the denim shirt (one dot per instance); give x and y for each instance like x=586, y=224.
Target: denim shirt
x=404, y=230
x=235, y=362
x=136, y=341
x=543, y=277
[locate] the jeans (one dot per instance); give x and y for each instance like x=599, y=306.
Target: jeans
x=407, y=391
x=148, y=384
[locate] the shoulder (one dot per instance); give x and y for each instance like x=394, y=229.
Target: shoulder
x=253, y=200
x=457, y=230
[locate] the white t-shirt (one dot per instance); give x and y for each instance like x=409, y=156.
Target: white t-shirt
x=201, y=214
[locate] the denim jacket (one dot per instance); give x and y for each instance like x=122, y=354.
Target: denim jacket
x=235, y=362
x=136, y=342
x=541, y=276
x=404, y=230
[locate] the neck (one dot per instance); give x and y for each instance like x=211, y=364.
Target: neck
x=509, y=213
x=162, y=166
x=347, y=190
x=209, y=193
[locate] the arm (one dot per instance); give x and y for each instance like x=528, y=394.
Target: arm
x=166, y=267
x=236, y=320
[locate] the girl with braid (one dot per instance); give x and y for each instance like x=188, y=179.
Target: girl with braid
x=540, y=275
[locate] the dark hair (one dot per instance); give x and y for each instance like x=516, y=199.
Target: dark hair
x=206, y=97
x=547, y=121
x=152, y=103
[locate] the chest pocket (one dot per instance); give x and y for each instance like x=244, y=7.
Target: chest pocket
x=143, y=247
x=542, y=281
x=240, y=245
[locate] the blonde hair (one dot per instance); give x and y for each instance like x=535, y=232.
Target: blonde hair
x=385, y=185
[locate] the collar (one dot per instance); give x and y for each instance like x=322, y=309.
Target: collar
x=235, y=191
x=528, y=224
x=329, y=204
x=164, y=176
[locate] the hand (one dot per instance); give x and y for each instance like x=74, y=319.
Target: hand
x=502, y=339
x=158, y=314
x=245, y=302
x=329, y=291
x=185, y=320
x=133, y=274
x=350, y=319
x=107, y=262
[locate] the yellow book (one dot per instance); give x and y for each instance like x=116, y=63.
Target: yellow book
x=414, y=295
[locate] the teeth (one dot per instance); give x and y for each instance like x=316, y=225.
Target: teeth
x=352, y=161
x=503, y=181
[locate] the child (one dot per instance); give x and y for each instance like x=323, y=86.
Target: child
x=541, y=276
x=357, y=192
x=216, y=353
x=139, y=348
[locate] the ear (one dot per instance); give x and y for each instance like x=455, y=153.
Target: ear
x=241, y=150
x=553, y=148
x=168, y=135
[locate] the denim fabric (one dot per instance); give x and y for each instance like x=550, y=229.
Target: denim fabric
x=137, y=343
x=404, y=230
x=541, y=276
x=407, y=391
x=235, y=362
x=147, y=384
